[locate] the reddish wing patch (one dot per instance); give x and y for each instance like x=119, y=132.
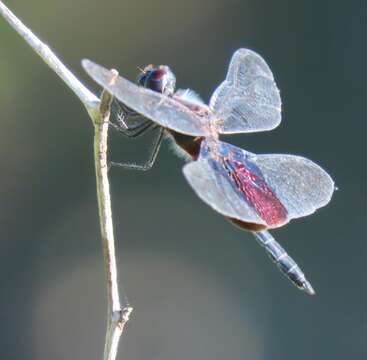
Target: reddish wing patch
x=249, y=181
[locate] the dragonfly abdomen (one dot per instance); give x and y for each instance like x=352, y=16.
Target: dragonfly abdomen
x=189, y=144
x=283, y=261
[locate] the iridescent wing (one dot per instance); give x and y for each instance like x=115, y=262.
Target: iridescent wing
x=161, y=109
x=248, y=99
x=262, y=189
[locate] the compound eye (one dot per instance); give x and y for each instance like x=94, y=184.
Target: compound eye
x=142, y=78
x=154, y=80
x=159, y=79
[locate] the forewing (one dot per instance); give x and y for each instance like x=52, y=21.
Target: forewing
x=261, y=189
x=248, y=100
x=161, y=109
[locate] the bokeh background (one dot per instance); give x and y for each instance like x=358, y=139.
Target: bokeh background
x=201, y=288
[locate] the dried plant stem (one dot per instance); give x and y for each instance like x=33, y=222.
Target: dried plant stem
x=117, y=317
x=49, y=57
x=99, y=111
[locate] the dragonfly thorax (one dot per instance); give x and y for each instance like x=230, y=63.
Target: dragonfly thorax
x=162, y=80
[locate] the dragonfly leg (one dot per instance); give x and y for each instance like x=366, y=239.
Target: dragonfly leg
x=122, y=115
x=134, y=131
x=150, y=162
x=283, y=261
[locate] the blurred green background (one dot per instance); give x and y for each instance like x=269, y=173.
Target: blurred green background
x=201, y=288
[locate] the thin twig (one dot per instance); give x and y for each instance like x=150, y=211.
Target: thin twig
x=99, y=111
x=117, y=317
x=89, y=100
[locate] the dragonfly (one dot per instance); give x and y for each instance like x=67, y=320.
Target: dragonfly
x=256, y=192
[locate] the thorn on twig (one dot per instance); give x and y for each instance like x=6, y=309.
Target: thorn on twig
x=126, y=312
x=106, y=97
x=114, y=75
x=121, y=317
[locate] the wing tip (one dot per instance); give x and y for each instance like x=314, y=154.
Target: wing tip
x=86, y=63
x=245, y=51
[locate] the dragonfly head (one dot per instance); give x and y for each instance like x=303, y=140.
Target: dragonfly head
x=160, y=79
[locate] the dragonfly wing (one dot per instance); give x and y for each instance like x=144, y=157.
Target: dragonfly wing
x=300, y=184
x=260, y=189
x=248, y=100
x=161, y=109
x=210, y=180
